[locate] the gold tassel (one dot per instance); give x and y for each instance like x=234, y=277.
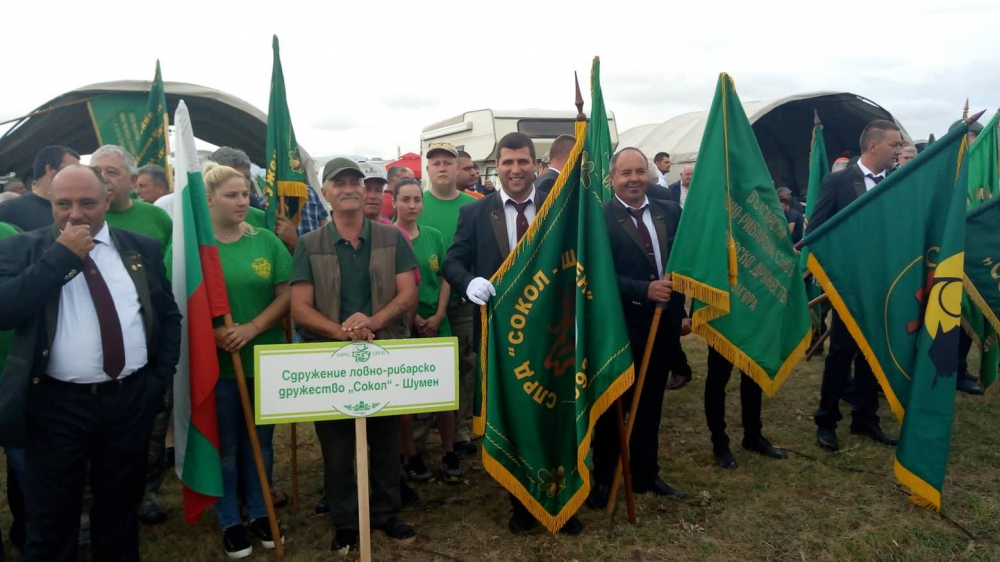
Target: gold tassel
x=732, y=262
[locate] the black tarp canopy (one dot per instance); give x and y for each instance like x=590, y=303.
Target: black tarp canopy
x=217, y=117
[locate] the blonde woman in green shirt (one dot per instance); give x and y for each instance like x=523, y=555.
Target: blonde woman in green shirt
x=256, y=267
x=431, y=321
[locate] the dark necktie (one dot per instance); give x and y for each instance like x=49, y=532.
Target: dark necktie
x=522, y=219
x=107, y=317
x=875, y=178
x=647, y=240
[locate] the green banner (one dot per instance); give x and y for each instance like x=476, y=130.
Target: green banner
x=982, y=276
x=286, y=174
x=901, y=298
x=733, y=252
x=135, y=121
x=555, y=351
x=819, y=166
x=984, y=185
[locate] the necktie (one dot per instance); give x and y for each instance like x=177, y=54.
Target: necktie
x=647, y=240
x=875, y=178
x=107, y=318
x=522, y=219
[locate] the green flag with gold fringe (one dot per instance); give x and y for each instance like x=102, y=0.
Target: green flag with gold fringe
x=285, y=178
x=984, y=185
x=901, y=298
x=733, y=252
x=982, y=276
x=555, y=352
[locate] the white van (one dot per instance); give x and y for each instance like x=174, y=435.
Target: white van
x=477, y=132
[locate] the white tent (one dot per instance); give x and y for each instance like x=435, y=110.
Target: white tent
x=783, y=128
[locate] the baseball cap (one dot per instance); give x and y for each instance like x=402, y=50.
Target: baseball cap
x=441, y=145
x=372, y=172
x=333, y=168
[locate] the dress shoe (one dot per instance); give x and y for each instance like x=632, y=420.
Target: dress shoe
x=571, y=527
x=598, y=498
x=827, y=439
x=724, y=458
x=345, y=539
x=967, y=386
x=660, y=488
x=764, y=447
x=521, y=522
x=678, y=381
x=876, y=434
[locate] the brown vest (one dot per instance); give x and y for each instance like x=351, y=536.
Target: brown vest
x=326, y=276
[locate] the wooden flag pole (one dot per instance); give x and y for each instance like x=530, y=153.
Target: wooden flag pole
x=818, y=345
x=636, y=392
x=241, y=383
x=623, y=459
x=819, y=300
x=361, y=457
x=286, y=325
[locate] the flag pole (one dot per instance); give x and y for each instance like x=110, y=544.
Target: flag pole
x=636, y=392
x=286, y=325
x=241, y=383
x=166, y=148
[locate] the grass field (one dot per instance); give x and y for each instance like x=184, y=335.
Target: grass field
x=813, y=506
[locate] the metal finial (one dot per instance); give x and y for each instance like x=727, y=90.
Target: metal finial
x=579, y=99
x=974, y=118
x=816, y=121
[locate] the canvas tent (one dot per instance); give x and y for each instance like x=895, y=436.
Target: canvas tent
x=217, y=117
x=783, y=128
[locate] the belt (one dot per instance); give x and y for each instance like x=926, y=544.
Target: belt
x=88, y=388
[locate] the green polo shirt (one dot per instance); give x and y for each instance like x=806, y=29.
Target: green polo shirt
x=355, y=273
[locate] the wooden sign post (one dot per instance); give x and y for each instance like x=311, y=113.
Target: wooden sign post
x=355, y=380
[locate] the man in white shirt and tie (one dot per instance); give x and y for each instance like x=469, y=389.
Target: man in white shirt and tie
x=97, y=339
x=881, y=144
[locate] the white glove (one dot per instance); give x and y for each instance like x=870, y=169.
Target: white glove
x=480, y=290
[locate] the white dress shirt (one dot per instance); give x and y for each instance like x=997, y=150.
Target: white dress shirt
x=77, y=354
x=684, y=193
x=662, y=179
x=869, y=182
x=166, y=203
x=647, y=219
x=510, y=214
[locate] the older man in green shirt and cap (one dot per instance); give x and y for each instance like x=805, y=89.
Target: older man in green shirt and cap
x=351, y=280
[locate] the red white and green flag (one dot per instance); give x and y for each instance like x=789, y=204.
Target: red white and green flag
x=200, y=292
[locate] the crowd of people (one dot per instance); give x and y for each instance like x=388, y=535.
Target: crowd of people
x=93, y=332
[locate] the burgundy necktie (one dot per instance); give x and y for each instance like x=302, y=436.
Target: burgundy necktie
x=522, y=219
x=107, y=317
x=647, y=240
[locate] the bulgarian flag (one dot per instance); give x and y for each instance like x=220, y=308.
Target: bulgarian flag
x=200, y=292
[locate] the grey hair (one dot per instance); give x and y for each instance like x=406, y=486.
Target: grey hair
x=910, y=149
x=784, y=191
x=115, y=150
x=614, y=159
x=394, y=171
x=232, y=157
x=156, y=173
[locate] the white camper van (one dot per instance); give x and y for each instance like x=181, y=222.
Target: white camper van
x=477, y=132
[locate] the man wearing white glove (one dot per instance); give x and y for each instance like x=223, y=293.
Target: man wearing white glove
x=488, y=230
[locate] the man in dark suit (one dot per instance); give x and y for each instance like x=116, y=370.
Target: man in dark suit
x=794, y=218
x=642, y=234
x=881, y=143
x=487, y=231
x=558, y=154
x=96, y=342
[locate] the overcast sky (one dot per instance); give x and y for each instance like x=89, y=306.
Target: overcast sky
x=365, y=77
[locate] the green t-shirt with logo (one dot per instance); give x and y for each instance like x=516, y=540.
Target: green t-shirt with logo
x=443, y=215
x=146, y=219
x=252, y=266
x=430, y=248
x=6, y=230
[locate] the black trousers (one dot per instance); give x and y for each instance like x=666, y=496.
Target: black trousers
x=336, y=440
x=719, y=370
x=644, y=443
x=70, y=425
x=836, y=370
x=964, y=346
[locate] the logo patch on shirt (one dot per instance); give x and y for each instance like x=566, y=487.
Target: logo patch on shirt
x=262, y=267
x=433, y=262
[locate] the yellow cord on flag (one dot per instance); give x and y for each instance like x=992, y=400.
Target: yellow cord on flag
x=733, y=265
